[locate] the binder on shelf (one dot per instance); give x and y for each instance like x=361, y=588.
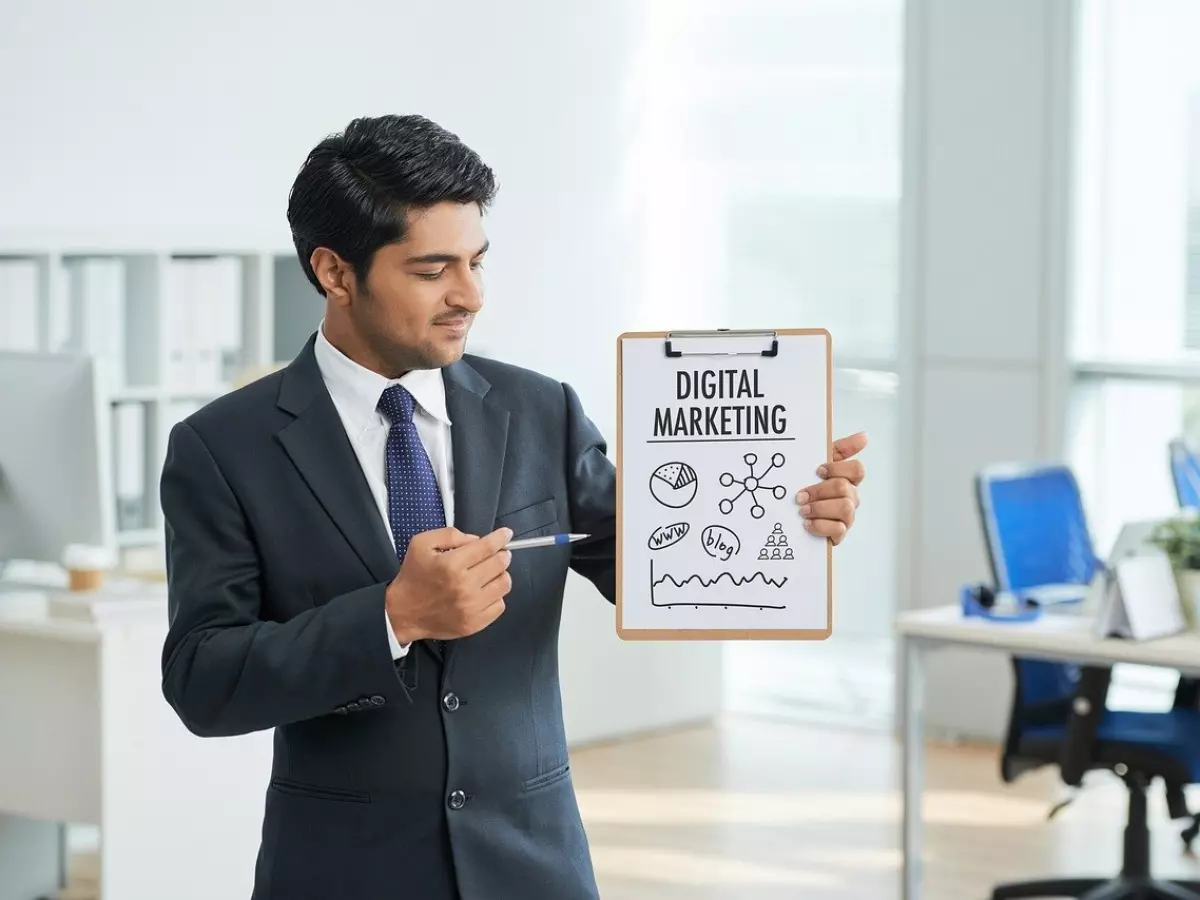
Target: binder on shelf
x=18, y=304
x=718, y=434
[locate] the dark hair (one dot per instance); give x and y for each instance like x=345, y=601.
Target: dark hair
x=355, y=189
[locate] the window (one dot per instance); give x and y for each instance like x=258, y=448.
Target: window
x=1135, y=347
x=771, y=151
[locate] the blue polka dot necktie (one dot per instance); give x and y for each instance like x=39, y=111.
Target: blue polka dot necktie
x=414, y=501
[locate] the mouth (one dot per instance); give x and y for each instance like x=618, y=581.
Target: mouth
x=457, y=326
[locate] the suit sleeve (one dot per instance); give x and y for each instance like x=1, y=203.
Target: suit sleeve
x=592, y=489
x=226, y=670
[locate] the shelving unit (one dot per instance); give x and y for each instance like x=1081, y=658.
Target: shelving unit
x=146, y=315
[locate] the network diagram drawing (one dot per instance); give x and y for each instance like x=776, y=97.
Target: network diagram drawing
x=751, y=484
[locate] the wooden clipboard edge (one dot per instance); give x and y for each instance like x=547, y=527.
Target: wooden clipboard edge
x=622, y=632
x=720, y=634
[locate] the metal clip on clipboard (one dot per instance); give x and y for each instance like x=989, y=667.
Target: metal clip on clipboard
x=773, y=350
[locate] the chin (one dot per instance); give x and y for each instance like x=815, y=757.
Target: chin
x=440, y=356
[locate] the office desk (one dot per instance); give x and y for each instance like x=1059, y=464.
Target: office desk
x=86, y=737
x=1055, y=637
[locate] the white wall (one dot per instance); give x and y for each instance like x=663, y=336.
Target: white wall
x=139, y=120
x=984, y=286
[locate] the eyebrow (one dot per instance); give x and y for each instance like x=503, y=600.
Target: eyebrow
x=444, y=257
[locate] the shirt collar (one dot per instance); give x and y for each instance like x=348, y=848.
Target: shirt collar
x=355, y=389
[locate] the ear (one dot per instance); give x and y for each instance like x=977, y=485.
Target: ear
x=335, y=275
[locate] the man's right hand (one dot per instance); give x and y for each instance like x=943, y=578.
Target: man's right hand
x=450, y=585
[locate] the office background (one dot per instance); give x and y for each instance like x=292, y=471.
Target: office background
x=992, y=205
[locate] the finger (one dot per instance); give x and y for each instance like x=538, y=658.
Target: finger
x=475, y=552
x=844, y=448
x=486, y=616
x=498, y=587
x=828, y=490
x=840, y=510
x=443, y=539
x=485, y=572
x=827, y=528
x=852, y=470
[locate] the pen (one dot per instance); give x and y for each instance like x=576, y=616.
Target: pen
x=549, y=540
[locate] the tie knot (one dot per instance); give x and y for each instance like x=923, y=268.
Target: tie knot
x=397, y=404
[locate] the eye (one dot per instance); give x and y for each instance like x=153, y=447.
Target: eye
x=430, y=276
x=477, y=265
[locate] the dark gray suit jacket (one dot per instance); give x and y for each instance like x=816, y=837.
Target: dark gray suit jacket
x=435, y=777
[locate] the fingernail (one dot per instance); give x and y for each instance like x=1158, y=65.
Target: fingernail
x=822, y=471
x=508, y=532
x=806, y=509
x=802, y=497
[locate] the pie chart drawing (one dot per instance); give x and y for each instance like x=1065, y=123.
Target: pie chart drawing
x=674, y=484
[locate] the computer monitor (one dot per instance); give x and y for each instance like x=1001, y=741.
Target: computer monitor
x=55, y=458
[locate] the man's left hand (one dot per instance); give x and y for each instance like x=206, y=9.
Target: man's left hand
x=828, y=507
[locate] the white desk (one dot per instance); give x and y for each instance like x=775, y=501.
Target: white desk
x=1057, y=637
x=88, y=738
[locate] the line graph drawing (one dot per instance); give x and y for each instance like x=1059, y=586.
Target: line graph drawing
x=707, y=583
x=752, y=484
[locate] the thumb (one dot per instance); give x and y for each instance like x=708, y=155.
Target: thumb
x=846, y=447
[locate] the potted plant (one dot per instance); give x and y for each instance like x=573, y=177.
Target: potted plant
x=1180, y=540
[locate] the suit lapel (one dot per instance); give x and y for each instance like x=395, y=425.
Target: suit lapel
x=318, y=446
x=480, y=433
x=479, y=436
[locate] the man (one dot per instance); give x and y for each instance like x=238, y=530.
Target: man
x=335, y=552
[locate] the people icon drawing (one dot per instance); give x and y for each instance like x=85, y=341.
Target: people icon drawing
x=776, y=546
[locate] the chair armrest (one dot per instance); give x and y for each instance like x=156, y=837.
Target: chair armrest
x=1087, y=708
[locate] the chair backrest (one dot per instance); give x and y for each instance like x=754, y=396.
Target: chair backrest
x=1185, y=473
x=1036, y=533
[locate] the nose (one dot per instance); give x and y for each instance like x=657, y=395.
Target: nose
x=468, y=293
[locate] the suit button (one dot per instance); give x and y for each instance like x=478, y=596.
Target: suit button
x=377, y=700
x=450, y=701
x=458, y=800
x=353, y=706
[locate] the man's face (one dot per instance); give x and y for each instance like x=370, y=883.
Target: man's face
x=421, y=295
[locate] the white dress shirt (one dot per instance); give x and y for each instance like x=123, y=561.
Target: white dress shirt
x=356, y=391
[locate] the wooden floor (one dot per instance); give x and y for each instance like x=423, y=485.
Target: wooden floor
x=765, y=810
x=754, y=808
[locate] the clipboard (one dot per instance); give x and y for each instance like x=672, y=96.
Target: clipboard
x=717, y=431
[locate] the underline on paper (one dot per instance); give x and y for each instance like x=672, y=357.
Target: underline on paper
x=737, y=440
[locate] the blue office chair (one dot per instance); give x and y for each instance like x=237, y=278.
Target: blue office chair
x=1185, y=473
x=1036, y=533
